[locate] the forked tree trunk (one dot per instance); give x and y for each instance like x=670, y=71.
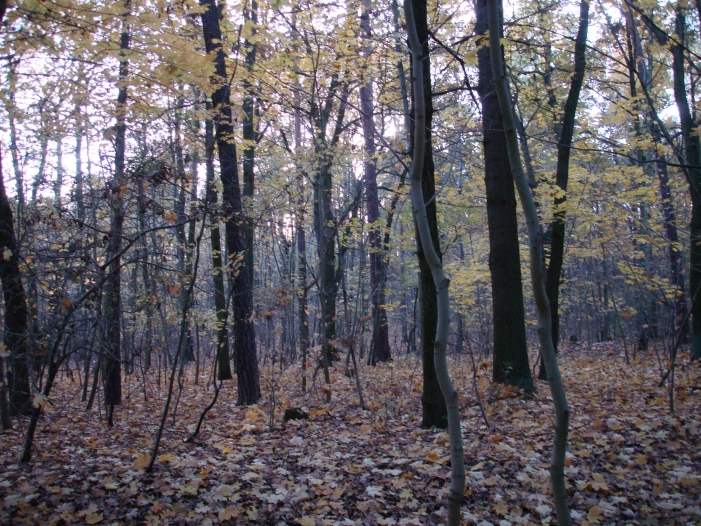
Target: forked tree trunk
x=547, y=350
x=244, y=331
x=433, y=260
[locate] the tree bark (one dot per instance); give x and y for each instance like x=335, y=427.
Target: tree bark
x=248, y=381
x=223, y=356
x=562, y=172
x=15, y=326
x=249, y=137
x=547, y=349
x=112, y=310
x=510, y=358
x=435, y=413
x=379, y=347
x=433, y=259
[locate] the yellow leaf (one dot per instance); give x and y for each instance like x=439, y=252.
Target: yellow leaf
x=595, y=514
x=112, y=485
x=167, y=457
x=94, y=518
x=170, y=217
x=252, y=416
x=142, y=460
x=307, y=521
x=229, y=513
x=433, y=457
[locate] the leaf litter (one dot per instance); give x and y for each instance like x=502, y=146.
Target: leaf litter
x=629, y=460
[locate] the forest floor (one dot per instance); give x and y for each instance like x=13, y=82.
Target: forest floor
x=630, y=460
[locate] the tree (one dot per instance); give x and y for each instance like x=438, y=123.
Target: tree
x=433, y=261
x=246, y=359
x=435, y=413
x=564, y=147
x=379, y=349
x=510, y=347
x=547, y=349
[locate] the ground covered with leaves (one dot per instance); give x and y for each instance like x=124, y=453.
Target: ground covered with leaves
x=630, y=460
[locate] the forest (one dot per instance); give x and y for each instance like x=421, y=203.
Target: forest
x=350, y=262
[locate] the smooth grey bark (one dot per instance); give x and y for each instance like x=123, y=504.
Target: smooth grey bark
x=457, y=456
x=535, y=241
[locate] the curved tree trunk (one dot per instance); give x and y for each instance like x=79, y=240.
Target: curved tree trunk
x=433, y=261
x=557, y=391
x=435, y=413
x=562, y=172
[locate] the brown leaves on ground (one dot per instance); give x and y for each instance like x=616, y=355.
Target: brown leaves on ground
x=630, y=461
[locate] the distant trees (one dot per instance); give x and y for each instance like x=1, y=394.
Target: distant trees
x=321, y=250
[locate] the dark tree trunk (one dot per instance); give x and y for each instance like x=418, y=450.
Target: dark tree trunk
x=112, y=373
x=435, y=413
x=564, y=147
x=246, y=359
x=223, y=356
x=675, y=255
x=510, y=347
x=249, y=137
x=692, y=149
x=15, y=326
x=379, y=348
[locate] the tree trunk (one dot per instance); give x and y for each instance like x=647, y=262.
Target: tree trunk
x=432, y=257
x=112, y=300
x=510, y=357
x=15, y=326
x=249, y=137
x=547, y=349
x=379, y=348
x=562, y=172
x=223, y=361
x=244, y=330
x=435, y=413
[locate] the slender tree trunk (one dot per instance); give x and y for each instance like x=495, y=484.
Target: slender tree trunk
x=244, y=330
x=435, y=413
x=510, y=357
x=249, y=136
x=692, y=148
x=112, y=300
x=547, y=349
x=223, y=361
x=562, y=172
x=379, y=348
x=433, y=260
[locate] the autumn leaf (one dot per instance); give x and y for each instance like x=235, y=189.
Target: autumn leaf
x=142, y=460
